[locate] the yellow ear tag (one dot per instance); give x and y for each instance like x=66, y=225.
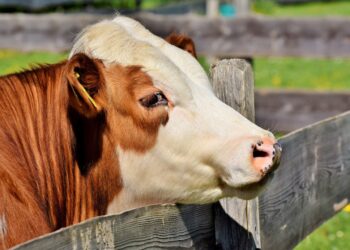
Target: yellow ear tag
x=77, y=75
x=88, y=96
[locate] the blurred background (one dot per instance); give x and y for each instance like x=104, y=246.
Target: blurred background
x=299, y=50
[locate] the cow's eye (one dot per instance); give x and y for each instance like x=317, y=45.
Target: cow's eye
x=154, y=100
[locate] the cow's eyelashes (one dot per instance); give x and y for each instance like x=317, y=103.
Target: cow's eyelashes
x=154, y=100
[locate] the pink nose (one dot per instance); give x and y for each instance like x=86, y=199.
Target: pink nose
x=266, y=155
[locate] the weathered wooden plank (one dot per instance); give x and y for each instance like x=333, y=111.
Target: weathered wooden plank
x=236, y=220
x=52, y=32
x=249, y=36
x=311, y=184
x=285, y=111
x=233, y=83
x=253, y=36
x=167, y=227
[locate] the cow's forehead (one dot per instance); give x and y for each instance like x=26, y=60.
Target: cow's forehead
x=180, y=58
x=127, y=42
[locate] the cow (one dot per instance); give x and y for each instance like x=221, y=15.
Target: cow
x=129, y=120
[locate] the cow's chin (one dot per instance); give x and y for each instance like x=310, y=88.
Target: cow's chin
x=245, y=192
x=249, y=191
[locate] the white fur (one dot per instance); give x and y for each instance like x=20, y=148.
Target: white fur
x=204, y=151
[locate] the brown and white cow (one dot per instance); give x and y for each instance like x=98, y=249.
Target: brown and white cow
x=128, y=121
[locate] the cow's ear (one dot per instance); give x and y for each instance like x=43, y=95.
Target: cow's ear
x=183, y=42
x=86, y=108
x=86, y=81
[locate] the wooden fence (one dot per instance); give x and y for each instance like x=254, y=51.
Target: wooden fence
x=286, y=110
x=250, y=36
x=310, y=186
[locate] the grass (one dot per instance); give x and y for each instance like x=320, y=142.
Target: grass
x=298, y=73
x=149, y=4
x=320, y=9
x=13, y=61
x=333, y=235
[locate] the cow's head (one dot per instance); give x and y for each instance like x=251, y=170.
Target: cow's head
x=175, y=141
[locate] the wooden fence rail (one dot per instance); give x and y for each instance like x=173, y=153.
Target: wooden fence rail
x=249, y=36
x=167, y=227
x=310, y=186
x=286, y=110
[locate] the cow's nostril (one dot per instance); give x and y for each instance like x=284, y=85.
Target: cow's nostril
x=259, y=153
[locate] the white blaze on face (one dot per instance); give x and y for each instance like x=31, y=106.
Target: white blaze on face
x=204, y=152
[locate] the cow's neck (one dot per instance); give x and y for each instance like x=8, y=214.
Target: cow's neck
x=39, y=136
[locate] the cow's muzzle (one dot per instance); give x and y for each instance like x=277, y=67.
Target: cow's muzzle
x=266, y=156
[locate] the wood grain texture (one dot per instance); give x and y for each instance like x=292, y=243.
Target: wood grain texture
x=233, y=83
x=310, y=186
x=285, y=111
x=237, y=221
x=156, y=227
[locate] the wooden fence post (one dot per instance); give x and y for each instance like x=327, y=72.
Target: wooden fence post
x=236, y=221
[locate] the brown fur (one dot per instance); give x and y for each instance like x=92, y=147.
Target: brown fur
x=58, y=164
x=183, y=42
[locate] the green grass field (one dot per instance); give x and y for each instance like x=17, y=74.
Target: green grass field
x=290, y=73
x=333, y=235
x=298, y=73
x=320, y=9
x=12, y=61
